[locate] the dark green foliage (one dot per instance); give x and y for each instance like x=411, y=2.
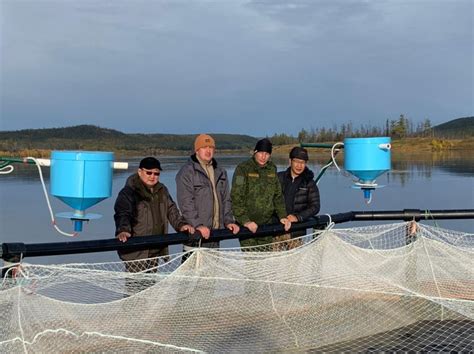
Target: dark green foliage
x=402, y=127
x=90, y=137
x=76, y=132
x=456, y=128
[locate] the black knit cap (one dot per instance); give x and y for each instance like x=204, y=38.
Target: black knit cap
x=149, y=163
x=299, y=153
x=264, y=145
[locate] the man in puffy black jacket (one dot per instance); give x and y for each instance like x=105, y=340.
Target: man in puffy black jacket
x=299, y=188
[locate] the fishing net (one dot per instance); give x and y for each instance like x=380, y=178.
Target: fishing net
x=378, y=288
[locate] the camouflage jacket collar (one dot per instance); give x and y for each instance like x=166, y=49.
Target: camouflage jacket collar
x=270, y=166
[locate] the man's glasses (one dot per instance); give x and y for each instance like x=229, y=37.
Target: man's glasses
x=149, y=173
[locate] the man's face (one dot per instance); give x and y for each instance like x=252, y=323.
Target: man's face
x=262, y=158
x=297, y=166
x=205, y=153
x=149, y=177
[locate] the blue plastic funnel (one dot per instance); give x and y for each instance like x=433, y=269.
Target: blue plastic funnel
x=366, y=159
x=81, y=179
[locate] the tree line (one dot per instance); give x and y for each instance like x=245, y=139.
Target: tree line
x=90, y=137
x=402, y=127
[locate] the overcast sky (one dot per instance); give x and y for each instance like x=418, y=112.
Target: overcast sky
x=234, y=66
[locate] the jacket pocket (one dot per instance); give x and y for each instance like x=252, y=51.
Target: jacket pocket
x=198, y=189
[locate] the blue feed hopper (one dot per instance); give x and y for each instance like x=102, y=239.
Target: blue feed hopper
x=366, y=159
x=81, y=179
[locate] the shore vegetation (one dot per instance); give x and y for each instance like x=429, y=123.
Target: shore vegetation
x=407, y=137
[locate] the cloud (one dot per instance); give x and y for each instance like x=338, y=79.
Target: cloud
x=233, y=66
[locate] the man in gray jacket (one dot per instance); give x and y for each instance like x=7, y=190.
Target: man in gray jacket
x=203, y=193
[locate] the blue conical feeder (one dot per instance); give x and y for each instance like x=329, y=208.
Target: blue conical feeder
x=366, y=159
x=81, y=179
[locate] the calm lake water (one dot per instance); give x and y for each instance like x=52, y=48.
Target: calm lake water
x=437, y=182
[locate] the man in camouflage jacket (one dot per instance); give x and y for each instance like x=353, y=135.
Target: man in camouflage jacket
x=256, y=193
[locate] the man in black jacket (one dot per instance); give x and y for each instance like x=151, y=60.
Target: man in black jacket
x=144, y=207
x=300, y=191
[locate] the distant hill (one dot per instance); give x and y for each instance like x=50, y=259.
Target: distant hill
x=94, y=138
x=90, y=137
x=456, y=128
x=76, y=132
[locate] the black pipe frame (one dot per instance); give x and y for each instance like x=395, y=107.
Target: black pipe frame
x=14, y=251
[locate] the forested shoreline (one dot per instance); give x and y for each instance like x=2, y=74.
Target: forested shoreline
x=406, y=136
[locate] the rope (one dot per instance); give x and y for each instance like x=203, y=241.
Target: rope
x=282, y=317
x=333, y=161
x=433, y=274
x=93, y=333
x=11, y=269
x=6, y=169
x=53, y=221
x=330, y=224
x=333, y=156
x=429, y=215
x=367, y=201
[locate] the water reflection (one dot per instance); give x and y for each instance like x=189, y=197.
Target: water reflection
x=440, y=182
x=423, y=167
x=403, y=169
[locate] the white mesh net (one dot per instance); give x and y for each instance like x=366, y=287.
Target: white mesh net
x=360, y=289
